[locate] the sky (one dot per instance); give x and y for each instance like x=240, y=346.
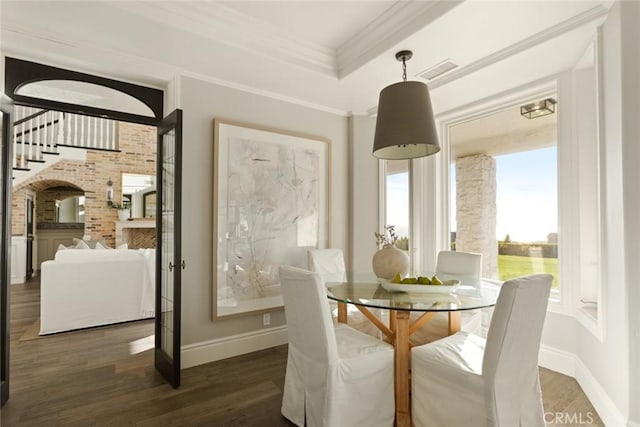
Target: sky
x=398, y=202
x=526, y=199
x=527, y=195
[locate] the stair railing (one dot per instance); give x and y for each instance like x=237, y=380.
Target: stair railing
x=90, y=132
x=38, y=132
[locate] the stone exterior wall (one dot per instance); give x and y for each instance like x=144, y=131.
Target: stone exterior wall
x=476, y=210
x=137, y=144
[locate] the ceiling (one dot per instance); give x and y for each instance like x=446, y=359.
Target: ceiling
x=331, y=55
x=503, y=132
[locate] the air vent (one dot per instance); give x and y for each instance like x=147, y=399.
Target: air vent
x=438, y=69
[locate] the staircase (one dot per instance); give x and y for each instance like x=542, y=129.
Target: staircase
x=44, y=137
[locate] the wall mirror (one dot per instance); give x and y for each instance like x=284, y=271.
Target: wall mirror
x=70, y=210
x=60, y=204
x=139, y=192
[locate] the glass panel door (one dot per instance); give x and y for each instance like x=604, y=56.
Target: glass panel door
x=5, y=238
x=168, y=254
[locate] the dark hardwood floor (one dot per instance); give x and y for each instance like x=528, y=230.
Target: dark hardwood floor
x=91, y=378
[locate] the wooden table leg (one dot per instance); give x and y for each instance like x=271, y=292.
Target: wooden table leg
x=392, y=320
x=402, y=355
x=342, y=312
x=455, y=322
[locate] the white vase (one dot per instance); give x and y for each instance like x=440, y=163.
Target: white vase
x=123, y=214
x=390, y=260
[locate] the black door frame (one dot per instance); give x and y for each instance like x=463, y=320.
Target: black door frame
x=5, y=233
x=169, y=364
x=29, y=217
x=19, y=73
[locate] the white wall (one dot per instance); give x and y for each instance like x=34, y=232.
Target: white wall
x=364, y=180
x=202, y=102
x=608, y=361
x=18, y=259
x=630, y=88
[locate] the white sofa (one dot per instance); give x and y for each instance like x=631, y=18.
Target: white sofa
x=82, y=288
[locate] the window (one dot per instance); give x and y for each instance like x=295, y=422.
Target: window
x=527, y=213
x=397, y=206
x=504, y=189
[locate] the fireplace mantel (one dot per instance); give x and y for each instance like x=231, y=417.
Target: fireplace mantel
x=127, y=231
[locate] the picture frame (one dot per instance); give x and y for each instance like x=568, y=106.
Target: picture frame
x=271, y=203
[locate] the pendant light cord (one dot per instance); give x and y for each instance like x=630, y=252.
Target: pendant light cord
x=404, y=69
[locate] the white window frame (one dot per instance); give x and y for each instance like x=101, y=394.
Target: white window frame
x=430, y=193
x=382, y=208
x=560, y=300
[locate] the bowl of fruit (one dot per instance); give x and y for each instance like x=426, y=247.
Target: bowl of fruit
x=421, y=284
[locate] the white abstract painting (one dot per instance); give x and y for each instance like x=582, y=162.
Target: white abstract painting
x=271, y=206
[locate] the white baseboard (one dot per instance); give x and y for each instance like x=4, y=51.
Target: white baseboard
x=557, y=360
x=223, y=348
x=608, y=411
x=568, y=364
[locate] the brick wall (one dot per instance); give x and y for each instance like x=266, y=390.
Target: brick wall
x=137, y=144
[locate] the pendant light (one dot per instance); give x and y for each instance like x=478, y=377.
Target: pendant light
x=405, y=127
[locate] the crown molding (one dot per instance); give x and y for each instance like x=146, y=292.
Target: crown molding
x=162, y=72
x=225, y=25
x=395, y=25
x=17, y=41
x=552, y=32
x=265, y=93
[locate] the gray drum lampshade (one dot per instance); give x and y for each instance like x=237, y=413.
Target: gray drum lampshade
x=405, y=127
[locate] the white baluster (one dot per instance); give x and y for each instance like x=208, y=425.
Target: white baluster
x=22, y=129
x=35, y=142
x=75, y=132
x=107, y=134
x=15, y=142
x=82, y=132
x=114, y=139
x=36, y=147
x=95, y=132
x=102, y=144
x=67, y=123
x=61, y=130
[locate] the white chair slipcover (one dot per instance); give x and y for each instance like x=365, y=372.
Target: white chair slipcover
x=463, y=380
x=336, y=376
x=461, y=265
x=329, y=263
x=467, y=267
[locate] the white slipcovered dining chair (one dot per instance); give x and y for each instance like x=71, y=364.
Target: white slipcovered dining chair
x=466, y=267
x=463, y=380
x=336, y=376
x=329, y=263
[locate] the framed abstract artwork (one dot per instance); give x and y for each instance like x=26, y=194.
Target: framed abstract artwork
x=271, y=204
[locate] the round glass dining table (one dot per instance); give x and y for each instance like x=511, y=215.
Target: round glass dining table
x=369, y=293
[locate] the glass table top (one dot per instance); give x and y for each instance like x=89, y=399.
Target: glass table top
x=369, y=293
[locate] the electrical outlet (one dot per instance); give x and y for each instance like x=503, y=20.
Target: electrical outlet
x=266, y=319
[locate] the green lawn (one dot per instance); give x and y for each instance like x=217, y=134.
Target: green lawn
x=510, y=266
